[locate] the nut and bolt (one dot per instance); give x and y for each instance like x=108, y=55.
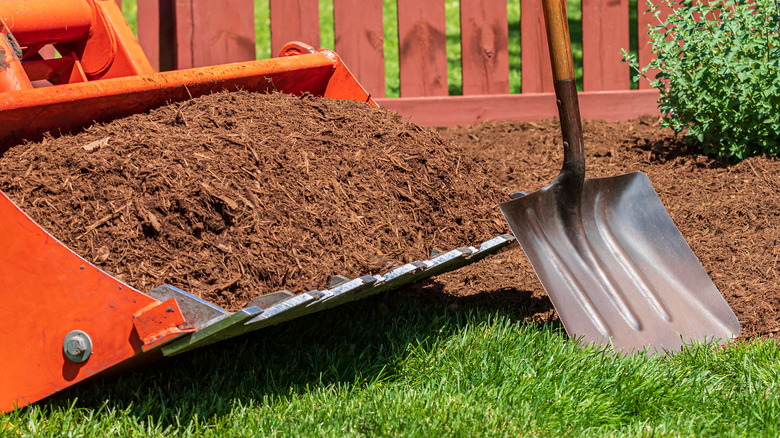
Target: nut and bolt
x=77, y=346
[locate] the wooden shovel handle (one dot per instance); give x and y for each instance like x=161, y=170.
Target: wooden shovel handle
x=572, y=174
x=557, y=25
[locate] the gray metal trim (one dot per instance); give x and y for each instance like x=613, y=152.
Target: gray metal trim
x=197, y=312
x=290, y=307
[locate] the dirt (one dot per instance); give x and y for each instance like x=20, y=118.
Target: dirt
x=235, y=195
x=729, y=213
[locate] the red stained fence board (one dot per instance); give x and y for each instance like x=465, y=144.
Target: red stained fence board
x=535, y=55
x=211, y=33
x=423, y=63
x=149, y=21
x=422, y=48
x=359, y=40
x=464, y=110
x=645, y=19
x=484, y=50
x=605, y=32
x=294, y=20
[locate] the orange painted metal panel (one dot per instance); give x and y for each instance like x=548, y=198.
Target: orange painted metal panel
x=294, y=20
x=484, y=46
x=28, y=114
x=605, y=32
x=359, y=40
x=48, y=291
x=112, y=49
x=212, y=33
x=536, y=73
x=36, y=21
x=12, y=75
x=464, y=110
x=106, y=49
x=422, y=51
x=158, y=323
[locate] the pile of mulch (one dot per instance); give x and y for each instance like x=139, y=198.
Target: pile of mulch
x=234, y=195
x=729, y=213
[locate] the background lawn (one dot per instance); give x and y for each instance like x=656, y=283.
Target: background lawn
x=402, y=366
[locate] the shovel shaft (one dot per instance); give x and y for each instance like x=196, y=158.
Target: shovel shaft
x=573, y=172
x=558, y=39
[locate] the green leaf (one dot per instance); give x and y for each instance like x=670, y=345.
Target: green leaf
x=718, y=79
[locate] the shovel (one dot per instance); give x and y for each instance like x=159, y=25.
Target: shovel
x=613, y=263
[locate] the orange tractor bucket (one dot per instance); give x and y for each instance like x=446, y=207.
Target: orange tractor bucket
x=66, y=320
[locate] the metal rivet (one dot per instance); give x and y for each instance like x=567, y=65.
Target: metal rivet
x=77, y=346
x=83, y=267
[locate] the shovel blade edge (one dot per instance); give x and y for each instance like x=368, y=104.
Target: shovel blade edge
x=619, y=272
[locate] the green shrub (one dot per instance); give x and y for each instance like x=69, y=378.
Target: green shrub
x=719, y=74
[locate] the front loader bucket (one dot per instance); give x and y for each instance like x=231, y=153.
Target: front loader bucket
x=65, y=320
x=62, y=319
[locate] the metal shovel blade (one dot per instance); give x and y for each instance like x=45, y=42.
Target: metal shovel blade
x=612, y=261
x=616, y=267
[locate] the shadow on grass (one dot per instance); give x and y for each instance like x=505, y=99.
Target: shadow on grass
x=351, y=345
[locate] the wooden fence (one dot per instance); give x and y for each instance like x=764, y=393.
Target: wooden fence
x=188, y=33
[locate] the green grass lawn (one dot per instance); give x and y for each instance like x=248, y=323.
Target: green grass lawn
x=400, y=366
x=452, y=9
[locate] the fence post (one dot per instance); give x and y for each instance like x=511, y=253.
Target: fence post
x=156, y=32
x=211, y=33
x=645, y=53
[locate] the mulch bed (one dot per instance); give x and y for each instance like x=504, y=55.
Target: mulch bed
x=234, y=195
x=728, y=213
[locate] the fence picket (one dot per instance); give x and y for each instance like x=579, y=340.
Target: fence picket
x=422, y=48
x=359, y=40
x=606, y=22
x=535, y=56
x=208, y=35
x=294, y=20
x=645, y=19
x=484, y=46
x=182, y=33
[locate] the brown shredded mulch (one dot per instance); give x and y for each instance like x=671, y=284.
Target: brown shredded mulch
x=234, y=195
x=230, y=196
